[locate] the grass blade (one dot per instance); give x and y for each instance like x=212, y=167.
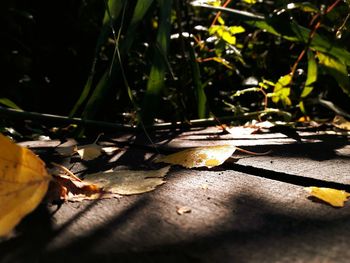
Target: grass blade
x=114, y=8
x=155, y=82
x=9, y=103
x=199, y=87
x=141, y=8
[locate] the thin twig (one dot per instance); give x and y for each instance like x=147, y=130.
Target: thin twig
x=67, y=171
x=219, y=13
x=13, y=113
x=253, y=153
x=311, y=35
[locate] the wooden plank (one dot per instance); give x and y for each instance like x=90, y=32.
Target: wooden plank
x=235, y=216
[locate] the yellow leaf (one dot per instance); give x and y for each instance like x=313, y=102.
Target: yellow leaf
x=128, y=182
x=23, y=183
x=252, y=2
x=331, y=196
x=341, y=123
x=209, y=156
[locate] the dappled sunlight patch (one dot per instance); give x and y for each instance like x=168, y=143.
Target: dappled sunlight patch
x=209, y=156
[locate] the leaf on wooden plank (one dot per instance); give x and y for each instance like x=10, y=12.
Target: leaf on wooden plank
x=72, y=189
x=67, y=186
x=89, y=152
x=331, y=196
x=128, y=182
x=341, y=123
x=67, y=150
x=92, y=151
x=24, y=182
x=208, y=156
x=238, y=131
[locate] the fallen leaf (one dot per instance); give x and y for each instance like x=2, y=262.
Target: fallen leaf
x=67, y=150
x=92, y=151
x=70, y=187
x=341, y=123
x=183, y=209
x=238, y=131
x=89, y=152
x=24, y=182
x=208, y=156
x=331, y=196
x=128, y=182
x=110, y=149
x=75, y=190
x=263, y=124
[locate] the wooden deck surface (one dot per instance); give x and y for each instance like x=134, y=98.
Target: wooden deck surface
x=252, y=210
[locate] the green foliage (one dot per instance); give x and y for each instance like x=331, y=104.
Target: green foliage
x=169, y=60
x=155, y=83
x=337, y=69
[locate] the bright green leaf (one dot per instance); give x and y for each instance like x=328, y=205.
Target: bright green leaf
x=236, y=29
x=337, y=69
x=251, y=2
x=281, y=92
x=229, y=38
x=213, y=29
x=285, y=80
x=221, y=21
x=302, y=107
x=311, y=69
x=306, y=91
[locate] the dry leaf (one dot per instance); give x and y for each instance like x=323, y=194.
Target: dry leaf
x=341, y=123
x=67, y=148
x=71, y=189
x=23, y=183
x=331, y=196
x=66, y=151
x=238, y=131
x=128, y=182
x=209, y=156
x=183, y=209
x=92, y=151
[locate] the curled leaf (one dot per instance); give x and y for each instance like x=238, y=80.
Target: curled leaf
x=67, y=186
x=331, y=196
x=24, y=182
x=72, y=189
x=341, y=123
x=209, y=156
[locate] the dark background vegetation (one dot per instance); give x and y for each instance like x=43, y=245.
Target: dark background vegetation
x=48, y=49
